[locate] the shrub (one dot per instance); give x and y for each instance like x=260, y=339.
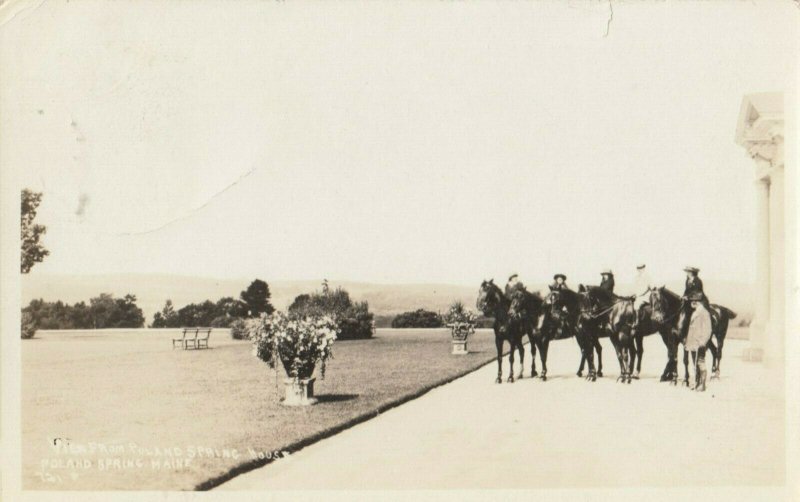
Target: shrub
x=353, y=319
x=419, y=318
x=239, y=330
x=28, y=325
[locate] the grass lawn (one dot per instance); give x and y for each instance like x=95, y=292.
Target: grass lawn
x=140, y=416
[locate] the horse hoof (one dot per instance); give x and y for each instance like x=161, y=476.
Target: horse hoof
x=620, y=378
x=580, y=373
x=674, y=383
x=628, y=381
x=715, y=375
x=534, y=374
x=498, y=380
x=544, y=378
x=510, y=379
x=600, y=374
x=665, y=378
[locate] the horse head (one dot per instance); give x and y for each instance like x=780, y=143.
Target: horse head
x=660, y=302
x=586, y=303
x=489, y=298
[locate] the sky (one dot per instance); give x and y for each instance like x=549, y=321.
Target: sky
x=404, y=142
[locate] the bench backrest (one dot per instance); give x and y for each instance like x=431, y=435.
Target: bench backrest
x=190, y=332
x=204, y=333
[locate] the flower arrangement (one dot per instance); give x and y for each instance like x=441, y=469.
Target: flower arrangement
x=460, y=320
x=298, y=342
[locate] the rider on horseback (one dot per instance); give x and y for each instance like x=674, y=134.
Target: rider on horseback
x=693, y=292
x=608, y=280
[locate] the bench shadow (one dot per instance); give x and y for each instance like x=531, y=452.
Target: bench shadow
x=335, y=398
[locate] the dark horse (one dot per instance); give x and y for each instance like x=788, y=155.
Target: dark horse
x=592, y=325
x=493, y=303
x=602, y=314
x=664, y=315
x=525, y=310
x=558, y=321
x=661, y=316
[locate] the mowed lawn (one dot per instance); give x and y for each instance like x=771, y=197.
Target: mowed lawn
x=138, y=415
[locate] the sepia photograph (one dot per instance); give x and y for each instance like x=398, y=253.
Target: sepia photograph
x=413, y=249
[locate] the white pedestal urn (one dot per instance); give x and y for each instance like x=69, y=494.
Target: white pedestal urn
x=460, y=332
x=299, y=392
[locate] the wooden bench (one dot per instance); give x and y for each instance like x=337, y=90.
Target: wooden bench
x=195, y=338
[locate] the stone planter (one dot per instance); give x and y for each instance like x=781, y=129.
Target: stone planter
x=299, y=392
x=460, y=347
x=460, y=332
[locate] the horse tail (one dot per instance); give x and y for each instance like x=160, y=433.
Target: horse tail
x=725, y=312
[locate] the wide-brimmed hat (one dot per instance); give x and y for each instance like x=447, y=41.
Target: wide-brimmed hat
x=555, y=277
x=607, y=272
x=640, y=266
x=693, y=270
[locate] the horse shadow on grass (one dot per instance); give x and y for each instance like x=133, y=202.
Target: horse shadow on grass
x=335, y=398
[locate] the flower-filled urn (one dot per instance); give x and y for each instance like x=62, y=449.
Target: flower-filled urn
x=462, y=324
x=299, y=343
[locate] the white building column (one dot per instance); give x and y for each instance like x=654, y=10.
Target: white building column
x=759, y=131
x=774, y=353
x=762, y=287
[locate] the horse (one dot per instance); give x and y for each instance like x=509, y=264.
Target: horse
x=720, y=318
x=557, y=321
x=665, y=311
x=660, y=316
x=602, y=313
x=525, y=309
x=591, y=327
x=493, y=303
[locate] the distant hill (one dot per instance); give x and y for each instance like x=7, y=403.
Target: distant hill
x=153, y=290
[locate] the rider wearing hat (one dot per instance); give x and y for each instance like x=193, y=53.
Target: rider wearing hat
x=608, y=280
x=693, y=292
x=559, y=282
x=512, y=284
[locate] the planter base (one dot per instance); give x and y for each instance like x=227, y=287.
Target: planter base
x=460, y=347
x=299, y=392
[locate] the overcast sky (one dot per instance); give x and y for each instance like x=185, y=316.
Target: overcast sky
x=422, y=142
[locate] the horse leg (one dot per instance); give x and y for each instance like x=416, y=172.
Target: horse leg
x=588, y=352
x=618, y=349
x=666, y=376
x=513, y=347
x=521, y=359
x=534, y=344
x=599, y=349
x=499, y=344
x=714, y=352
x=639, y=340
x=543, y=352
x=718, y=360
x=581, y=339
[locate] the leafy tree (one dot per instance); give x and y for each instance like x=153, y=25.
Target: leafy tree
x=419, y=318
x=103, y=311
x=167, y=318
x=32, y=250
x=256, y=297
